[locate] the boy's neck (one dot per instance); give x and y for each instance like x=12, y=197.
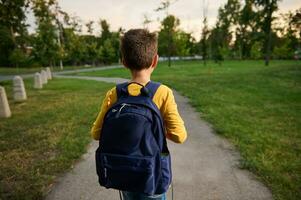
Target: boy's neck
x=142, y=76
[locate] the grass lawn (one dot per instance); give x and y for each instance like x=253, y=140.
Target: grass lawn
x=45, y=134
x=14, y=70
x=257, y=108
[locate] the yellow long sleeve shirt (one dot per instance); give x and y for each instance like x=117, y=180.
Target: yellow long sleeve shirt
x=163, y=98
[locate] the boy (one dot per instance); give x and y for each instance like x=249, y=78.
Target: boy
x=139, y=55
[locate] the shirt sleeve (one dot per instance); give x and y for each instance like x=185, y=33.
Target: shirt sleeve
x=174, y=125
x=109, y=100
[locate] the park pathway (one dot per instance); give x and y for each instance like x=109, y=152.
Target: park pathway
x=90, y=69
x=205, y=167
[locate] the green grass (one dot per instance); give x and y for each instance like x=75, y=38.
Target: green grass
x=257, y=108
x=45, y=134
x=14, y=70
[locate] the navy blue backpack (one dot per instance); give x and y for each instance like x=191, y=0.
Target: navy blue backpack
x=132, y=153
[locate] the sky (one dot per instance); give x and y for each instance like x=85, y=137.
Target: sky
x=129, y=13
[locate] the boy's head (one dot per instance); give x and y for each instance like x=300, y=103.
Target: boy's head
x=139, y=49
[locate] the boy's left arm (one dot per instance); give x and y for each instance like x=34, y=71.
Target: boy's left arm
x=109, y=100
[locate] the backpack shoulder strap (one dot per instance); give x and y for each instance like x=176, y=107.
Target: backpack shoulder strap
x=152, y=88
x=121, y=89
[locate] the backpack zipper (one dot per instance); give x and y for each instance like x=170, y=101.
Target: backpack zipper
x=105, y=172
x=120, y=109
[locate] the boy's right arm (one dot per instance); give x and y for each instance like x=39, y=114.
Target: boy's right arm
x=174, y=125
x=109, y=100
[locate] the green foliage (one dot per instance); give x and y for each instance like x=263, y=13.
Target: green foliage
x=283, y=51
x=91, y=50
x=167, y=36
x=256, y=50
x=46, y=48
x=59, y=36
x=105, y=32
x=216, y=40
x=6, y=45
x=12, y=31
x=108, y=44
x=13, y=16
x=267, y=10
x=106, y=52
x=246, y=30
x=184, y=44
x=204, y=38
x=17, y=57
x=227, y=17
x=73, y=46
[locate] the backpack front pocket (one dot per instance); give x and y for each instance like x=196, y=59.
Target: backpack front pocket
x=166, y=172
x=131, y=173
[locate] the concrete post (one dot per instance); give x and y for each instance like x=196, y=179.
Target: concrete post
x=38, y=81
x=19, y=89
x=4, y=106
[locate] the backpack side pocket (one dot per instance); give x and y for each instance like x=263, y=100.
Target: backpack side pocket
x=166, y=172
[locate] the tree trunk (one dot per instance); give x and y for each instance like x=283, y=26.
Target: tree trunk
x=268, y=36
x=13, y=36
x=268, y=48
x=61, y=64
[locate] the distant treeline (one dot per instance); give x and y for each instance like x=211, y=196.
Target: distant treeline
x=246, y=30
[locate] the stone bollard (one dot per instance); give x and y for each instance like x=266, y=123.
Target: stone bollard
x=38, y=81
x=49, y=75
x=4, y=107
x=19, y=89
x=44, y=76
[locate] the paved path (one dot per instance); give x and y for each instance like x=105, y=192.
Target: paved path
x=10, y=77
x=205, y=167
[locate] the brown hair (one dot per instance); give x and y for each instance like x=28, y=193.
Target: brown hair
x=138, y=48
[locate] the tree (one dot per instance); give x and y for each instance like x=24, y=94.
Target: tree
x=283, y=51
x=205, y=32
x=295, y=22
x=170, y=24
x=292, y=29
x=227, y=17
x=164, y=6
x=89, y=26
x=215, y=39
x=146, y=21
x=105, y=31
x=268, y=7
x=13, y=25
x=167, y=36
x=287, y=33
x=6, y=45
x=17, y=57
x=13, y=16
x=106, y=52
x=74, y=46
x=184, y=43
x=255, y=51
x=246, y=29
x=115, y=40
x=91, y=44
x=108, y=45
x=46, y=48
x=58, y=13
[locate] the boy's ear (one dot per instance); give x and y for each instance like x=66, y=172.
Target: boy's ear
x=155, y=61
